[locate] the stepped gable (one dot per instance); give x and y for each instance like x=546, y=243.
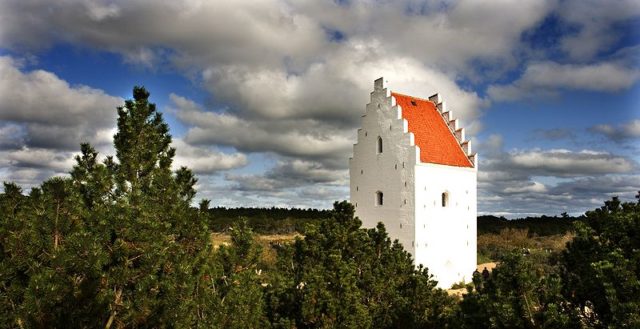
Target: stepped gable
x=439, y=141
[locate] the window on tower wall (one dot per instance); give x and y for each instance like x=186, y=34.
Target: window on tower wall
x=379, y=198
x=445, y=199
x=379, y=144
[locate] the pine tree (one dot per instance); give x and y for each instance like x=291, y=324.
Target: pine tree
x=116, y=245
x=343, y=276
x=517, y=294
x=601, y=266
x=154, y=233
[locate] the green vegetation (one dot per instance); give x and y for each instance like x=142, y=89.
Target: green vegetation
x=118, y=245
x=540, y=226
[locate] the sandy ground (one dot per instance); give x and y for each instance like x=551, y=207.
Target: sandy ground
x=461, y=291
x=489, y=266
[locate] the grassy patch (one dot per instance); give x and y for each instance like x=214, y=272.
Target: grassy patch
x=492, y=246
x=266, y=241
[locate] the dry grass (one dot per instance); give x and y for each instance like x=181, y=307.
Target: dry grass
x=491, y=246
x=265, y=241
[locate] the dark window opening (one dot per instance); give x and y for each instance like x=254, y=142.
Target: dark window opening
x=445, y=199
x=379, y=144
x=379, y=198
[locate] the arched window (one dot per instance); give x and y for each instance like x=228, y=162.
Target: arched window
x=445, y=199
x=379, y=144
x=379, y=198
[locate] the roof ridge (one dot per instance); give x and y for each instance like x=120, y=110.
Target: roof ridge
x=418, y=98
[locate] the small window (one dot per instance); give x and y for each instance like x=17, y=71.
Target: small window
x=357, y=188
x=414, y=103
x=379, y=144
x=445, y=199
x=365, y=134
x=361, y=172
x=379, y=198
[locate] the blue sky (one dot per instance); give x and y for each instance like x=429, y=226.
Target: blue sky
x=264, y=97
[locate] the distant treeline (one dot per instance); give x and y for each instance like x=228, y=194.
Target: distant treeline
x=541, y=226
x=288, y=220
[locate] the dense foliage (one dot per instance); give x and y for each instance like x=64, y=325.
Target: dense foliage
x=117, y=244
x=593, y=283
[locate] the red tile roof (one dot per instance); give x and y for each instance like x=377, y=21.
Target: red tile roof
x=437, y=143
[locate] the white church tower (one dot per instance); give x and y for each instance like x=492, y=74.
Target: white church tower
x=413, y=170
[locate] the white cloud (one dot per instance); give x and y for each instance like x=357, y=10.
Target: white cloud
x=535, y=187
x=28, y=167
x=623, y=132
x=546, y=77
x=11, y=136
x=596, y=21
x=204, y=161
x=567, y=163
x=302, y=138
x=40, y=158
x=514, y=182
x=52, y=113
x=44, y=120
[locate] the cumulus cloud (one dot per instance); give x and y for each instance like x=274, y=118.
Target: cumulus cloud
x=289, y=174
x=30, y=166
x=50, y=113
x=290, y=183
x=596, y=22
x=620, y=133
x=547, y=77
x=302, y=138
x=534, y=187
x=11, y=136
x=264, y=32
x=513, y=182
x=203, y=160
x=43, y=120
x=565, y=163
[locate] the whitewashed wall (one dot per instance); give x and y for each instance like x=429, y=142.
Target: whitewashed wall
x=386, y=172
x=443, y=239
